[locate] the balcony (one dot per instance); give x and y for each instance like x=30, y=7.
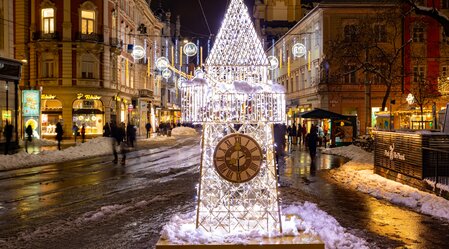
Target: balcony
x=92, y=37
x=41, y=36
x=145, y=93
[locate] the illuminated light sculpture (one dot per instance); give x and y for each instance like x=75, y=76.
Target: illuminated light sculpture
x=299, y=50
x=190, y=49
x=162, y=63
x=237, y=106
x=274, y=62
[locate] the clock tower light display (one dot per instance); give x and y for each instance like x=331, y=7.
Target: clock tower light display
x=237, y=106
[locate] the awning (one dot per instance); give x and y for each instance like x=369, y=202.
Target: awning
x=321, y=114
x=87, y=111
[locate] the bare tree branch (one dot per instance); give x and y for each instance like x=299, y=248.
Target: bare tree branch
x=430, y=12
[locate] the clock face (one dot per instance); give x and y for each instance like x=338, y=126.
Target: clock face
x=237, y=158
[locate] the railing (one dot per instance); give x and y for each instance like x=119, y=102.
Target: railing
x=92, y=37
x=45, y=36
x=439, y=159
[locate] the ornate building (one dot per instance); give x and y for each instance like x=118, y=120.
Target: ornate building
x=92, y=61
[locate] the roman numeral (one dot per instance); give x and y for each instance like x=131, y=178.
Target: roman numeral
x=238, y=139
x=228, y=143
x=220, y=158
x=254, y=158
x=254, y=167
x=230, y=174
x=253, y=149
x=239, y=179
x=222, y=167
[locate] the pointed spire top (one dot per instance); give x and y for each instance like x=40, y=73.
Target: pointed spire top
x=237, y=50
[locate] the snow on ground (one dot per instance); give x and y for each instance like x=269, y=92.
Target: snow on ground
x=358, y=174
x=183, y=131
x=94, y=147
x=307, y=218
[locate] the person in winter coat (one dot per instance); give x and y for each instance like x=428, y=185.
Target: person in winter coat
x=106, y=130
x=148, y=128
x=83, y=133
x=29, y=138
x=118, y=134
x=312, y=142
x=8, y=135
x=59, y=132
x=130, y=134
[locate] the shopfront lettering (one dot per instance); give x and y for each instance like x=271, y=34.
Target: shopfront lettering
x=88, y=96
x=394, y=155
x=48, y=96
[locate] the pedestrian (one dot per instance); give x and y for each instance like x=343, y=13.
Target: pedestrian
x=294, y=134
x=312, y=142
x=304, y=133
x=29, y=138
x=8, y=135
x=130, y=134
x=106, y=130
x=83, y=133
x=299, y=133
x=118, y=134
x=75, y=130
x=148, y=127
x=59, y=132
x=289, y=134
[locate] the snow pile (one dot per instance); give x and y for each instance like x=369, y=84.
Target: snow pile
x=39, y=142
x=358, y=174
x=94, y=147
x=183, y=131
x=181, y=229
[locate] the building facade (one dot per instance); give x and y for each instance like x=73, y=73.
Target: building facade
x=92, y=61
x=356, y=84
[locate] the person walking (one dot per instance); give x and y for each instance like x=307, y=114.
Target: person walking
x=148, y=128
x=75, y=130
x=299, y=133
x=29, y=138
x=130, y=134
x=312, y=142
x=8, y=136
x=83, y=133
x=59, y=132
x=118, y=134
x=106, y=130
x=304, y=133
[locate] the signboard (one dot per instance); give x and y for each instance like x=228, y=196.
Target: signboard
x=446, y=120
x=88, y=96
x=6, y=115
x=31, y=103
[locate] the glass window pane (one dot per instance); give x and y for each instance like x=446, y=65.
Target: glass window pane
x=87, y=14
x=48, y=12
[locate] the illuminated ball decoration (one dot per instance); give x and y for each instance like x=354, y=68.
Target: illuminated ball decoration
x=166, y=73
x=199, y=73
x=299, y=50
x=180, y=81
x=190, y=49
x=274, y=62
x=138, y=52
x=162, y=63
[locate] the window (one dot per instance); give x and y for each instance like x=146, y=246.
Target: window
x=380, y=32
x=48, y=21
x=349, y=74
x=350, y=33
x=87, y=69
x=378, y=79
x=445, y=4
x=418, y=34
x=418, y=73
x=48, y=68
x=87, y=21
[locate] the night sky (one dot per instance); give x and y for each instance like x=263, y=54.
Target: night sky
x=192, y=21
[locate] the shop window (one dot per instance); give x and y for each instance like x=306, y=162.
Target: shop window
x=87, y=21
x=51, y=115
x=48, y=20
x=89, y=113
x=418, y=73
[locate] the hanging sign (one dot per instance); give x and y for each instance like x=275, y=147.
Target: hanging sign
x=274, y=62
x=162, y=63
x=166, y=73
x=190, y=49
x=299, y=50
x=138, y=52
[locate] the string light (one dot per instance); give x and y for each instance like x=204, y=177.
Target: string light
x=235, y=96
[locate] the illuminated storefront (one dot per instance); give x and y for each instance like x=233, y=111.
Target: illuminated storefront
x=51, y=109
x=88, y=110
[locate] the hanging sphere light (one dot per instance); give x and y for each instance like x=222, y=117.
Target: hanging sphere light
x=166, y=73
x=162, y=63
x=190, y=49
x=299, y=50
x=274, y=62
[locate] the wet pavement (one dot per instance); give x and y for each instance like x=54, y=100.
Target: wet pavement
x=58, y=205
x=382, y=224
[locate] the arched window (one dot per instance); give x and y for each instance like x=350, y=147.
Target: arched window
x=88, y=14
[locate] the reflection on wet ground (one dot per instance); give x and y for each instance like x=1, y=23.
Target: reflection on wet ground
x=383, y=225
